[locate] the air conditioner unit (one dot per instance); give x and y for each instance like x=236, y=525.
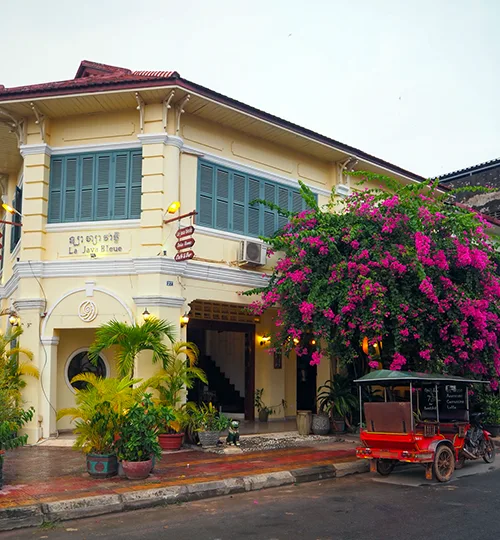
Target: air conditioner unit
x=342, y=190
x=252, y=253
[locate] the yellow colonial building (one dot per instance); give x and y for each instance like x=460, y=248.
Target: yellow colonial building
x=92, y=165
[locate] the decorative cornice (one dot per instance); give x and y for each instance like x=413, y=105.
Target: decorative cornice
x=102, y=147
x=174, y=140
x=248, y=169
x=30, y=303
x=34, y=149
x=159, y=301
x=225, y=235
x=50, y=341
x=93, y=225
x=153, y=138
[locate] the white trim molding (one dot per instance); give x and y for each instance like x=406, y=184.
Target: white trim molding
x=30, y=303
x=226, y=235
x=50, y=341
x=152, y=138
x=174, y=140
x=249, y=169
x=93, y=225
x=34, y=149
x=159, y=301
x=96, y=147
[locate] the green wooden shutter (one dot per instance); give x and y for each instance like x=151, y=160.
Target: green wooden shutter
x=206, y=195
x=17, y=204
x=70, y=192
x=135, y=185
x=55, y=190
x=87, y=189
x=270, y=216
x=297, y=202
x=103, y=185
x=222, y=200
x=2, y=246
x=253, y=209
x=121, y=186
x=282, y=203
x=239, y=203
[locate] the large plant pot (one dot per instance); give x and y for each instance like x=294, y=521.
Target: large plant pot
x=494, y=429
x=263, y=415
x=137, y=470
x=209, y=438
x=320, y=424
x=102, y=465
x=170, y=441
x=304, y=421
x=338, y=425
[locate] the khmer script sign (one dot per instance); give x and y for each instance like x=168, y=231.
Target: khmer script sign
x=95, y=244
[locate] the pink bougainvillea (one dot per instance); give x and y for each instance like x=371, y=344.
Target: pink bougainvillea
x=403, y=269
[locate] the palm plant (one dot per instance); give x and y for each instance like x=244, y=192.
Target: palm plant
x=131, y=339
x=336, y=399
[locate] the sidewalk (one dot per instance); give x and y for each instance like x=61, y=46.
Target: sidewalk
x=50, y=483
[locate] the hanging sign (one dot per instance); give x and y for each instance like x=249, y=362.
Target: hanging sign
x=184, y=256
x=185, y=231
x=184, y=244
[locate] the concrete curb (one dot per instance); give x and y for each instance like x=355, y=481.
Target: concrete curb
x=35, y=515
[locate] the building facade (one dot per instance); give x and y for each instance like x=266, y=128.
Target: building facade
x=92, y=164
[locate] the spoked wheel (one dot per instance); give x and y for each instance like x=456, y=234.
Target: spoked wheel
x=385, y=466
x=444, y=464
x=489, y=451
x=460, y=462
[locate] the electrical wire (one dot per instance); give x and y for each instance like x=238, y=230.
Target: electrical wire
x=42, y=344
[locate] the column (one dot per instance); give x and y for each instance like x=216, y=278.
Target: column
x=36, y=173
x=48, y=382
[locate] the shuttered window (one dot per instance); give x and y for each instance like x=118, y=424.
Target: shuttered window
x=224, y=197
x=17, y=204
x=95, y=187
x=2, y=243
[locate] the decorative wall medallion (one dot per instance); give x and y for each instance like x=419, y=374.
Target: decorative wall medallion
x=87, y=311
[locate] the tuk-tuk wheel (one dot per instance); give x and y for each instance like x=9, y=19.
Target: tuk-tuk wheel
x=444, y=463
x=385, y=466
x=460, y=462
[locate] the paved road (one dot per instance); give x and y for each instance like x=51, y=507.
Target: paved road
x=355, y=508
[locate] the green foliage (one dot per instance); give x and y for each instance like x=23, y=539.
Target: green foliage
x=138, y=435
x=489, y=403
x=335, y=398
x=130, y=340
x=261, y=406
x=207, y=418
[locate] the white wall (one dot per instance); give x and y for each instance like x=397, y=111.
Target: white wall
x=227, y=350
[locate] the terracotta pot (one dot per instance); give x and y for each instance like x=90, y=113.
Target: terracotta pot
x=102, y=465
x=170, y=441
x=137, y=470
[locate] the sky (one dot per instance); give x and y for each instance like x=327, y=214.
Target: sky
x=414, y=82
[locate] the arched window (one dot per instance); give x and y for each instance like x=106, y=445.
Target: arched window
x=78, y=363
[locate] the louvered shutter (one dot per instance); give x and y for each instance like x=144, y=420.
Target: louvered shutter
x=222, y=200
x=120, y=187
x=70, y=191
x=135, y=185
x=17, y=204
x=103, y=183
x=2, y=244
x=283, y=203
x=297, y=201
x=269, y=215
x=55, y=190
x=206, y=193
x=254, y=209
x=239, y=191
x=87, y=189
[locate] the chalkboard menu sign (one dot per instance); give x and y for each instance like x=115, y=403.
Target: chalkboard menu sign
x=452, y=397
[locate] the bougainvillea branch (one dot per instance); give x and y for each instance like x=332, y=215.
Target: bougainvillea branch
x=402, y=266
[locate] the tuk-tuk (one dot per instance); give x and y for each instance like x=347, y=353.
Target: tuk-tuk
x=419, y=418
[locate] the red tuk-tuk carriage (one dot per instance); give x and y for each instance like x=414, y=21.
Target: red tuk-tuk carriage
x=419, y=418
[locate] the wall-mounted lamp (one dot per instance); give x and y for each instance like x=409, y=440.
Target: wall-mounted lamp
x=296, y=341
x=146, y=315
x=313, y=342
x=14, y=320
x=184, y=320
x=172, y=209
x=265, y=340
x=256, y=319
x=377, y=346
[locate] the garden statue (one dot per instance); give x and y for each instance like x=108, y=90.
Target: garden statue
x=233, y=436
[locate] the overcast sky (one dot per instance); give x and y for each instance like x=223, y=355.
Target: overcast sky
x=415, y=82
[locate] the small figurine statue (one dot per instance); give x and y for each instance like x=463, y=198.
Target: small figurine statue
x=233, y=436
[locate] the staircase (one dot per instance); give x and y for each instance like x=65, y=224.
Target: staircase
x=226, y=393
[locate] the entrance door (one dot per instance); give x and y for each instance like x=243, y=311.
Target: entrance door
x=306, y=384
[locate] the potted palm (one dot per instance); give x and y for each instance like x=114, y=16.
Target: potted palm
x=137, y=443
x=336, y=400
x=209, y=423
x=263, y=410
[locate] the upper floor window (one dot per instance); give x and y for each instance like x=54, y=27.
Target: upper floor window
x=17, y=204
x=95, y=187
x=224, y=197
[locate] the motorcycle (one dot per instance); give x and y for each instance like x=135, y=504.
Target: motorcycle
x=478, y=443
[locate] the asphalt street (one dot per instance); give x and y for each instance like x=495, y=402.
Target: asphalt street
x=354, y=508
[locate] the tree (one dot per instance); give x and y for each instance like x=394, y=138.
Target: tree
x=405, y=275
x=131, y=339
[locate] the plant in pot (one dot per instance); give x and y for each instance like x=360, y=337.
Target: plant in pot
x=336, y=399
x=490, y=405
x=137, y=443
x=177, y=376
x=263, y=410
x=209, y=423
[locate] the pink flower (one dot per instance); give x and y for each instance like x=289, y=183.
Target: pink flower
x=373, y=364
x=307, y=310
x=390, y=203
x=355, y=244
x=426, y=355
x=427, y=288
x=422, y=243
x=398, y=361
x=316, y=358
x=404, y=332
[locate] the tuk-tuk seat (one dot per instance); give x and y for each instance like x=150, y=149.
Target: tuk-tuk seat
x=391, y=417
